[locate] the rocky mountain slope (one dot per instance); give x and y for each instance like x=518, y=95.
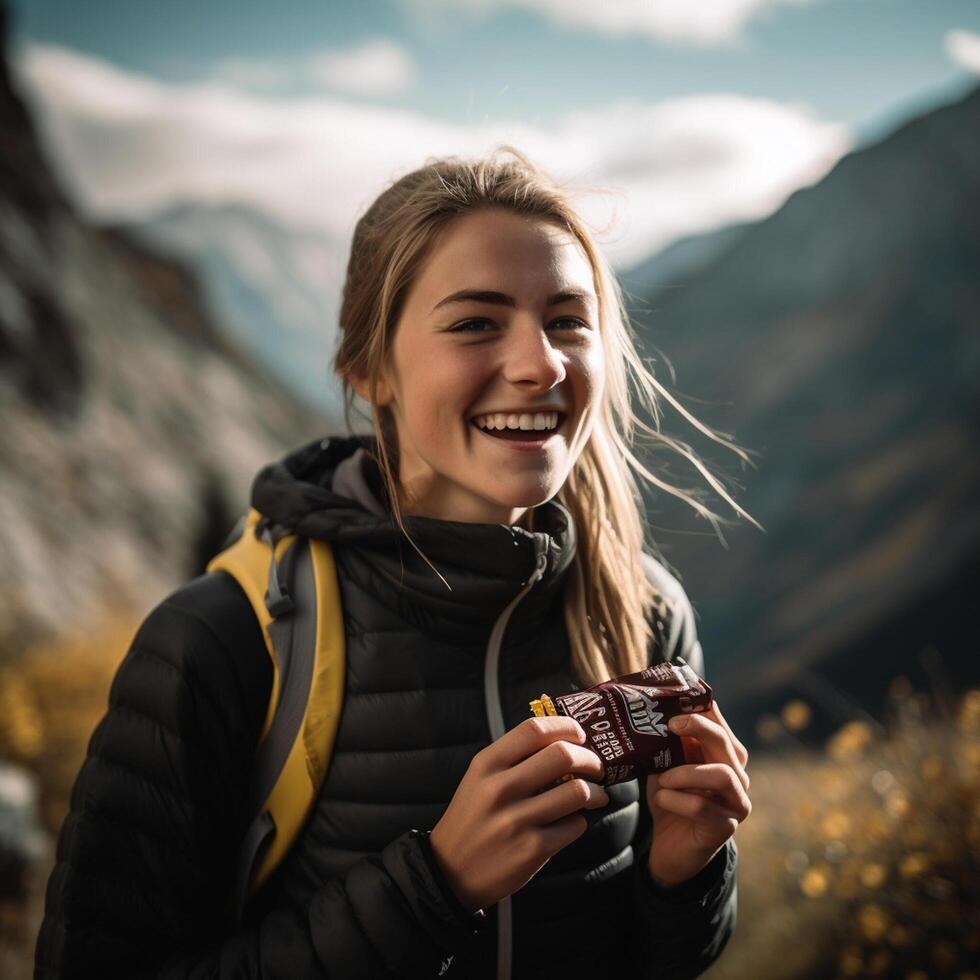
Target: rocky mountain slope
x=838, y=338
x=276, y=288
x=131, y=426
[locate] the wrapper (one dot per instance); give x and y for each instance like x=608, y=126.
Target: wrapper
x=626, y=719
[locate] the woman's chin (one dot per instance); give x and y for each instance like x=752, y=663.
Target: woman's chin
x=518, y=503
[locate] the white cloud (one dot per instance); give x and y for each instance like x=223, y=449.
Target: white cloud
x=131, y=145
x=696, y=22
x=963, y=48
x=249, y=73
x=379, y=67
x=696, y=163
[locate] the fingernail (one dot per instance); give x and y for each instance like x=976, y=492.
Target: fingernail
x=678, y=723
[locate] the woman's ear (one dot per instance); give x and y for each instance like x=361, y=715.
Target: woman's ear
x=381, y=397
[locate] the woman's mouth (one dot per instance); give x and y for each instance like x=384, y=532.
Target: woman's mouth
x=524, y=439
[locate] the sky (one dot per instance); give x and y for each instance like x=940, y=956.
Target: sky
x=667, y=117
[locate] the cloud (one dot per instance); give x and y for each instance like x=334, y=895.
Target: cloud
x=695, y=22
x=250, y=73
x=379, y=67
x=963, y=48
x=130, y=145
x=699, y=162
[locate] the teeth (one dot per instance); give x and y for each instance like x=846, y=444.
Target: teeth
x=539, y=421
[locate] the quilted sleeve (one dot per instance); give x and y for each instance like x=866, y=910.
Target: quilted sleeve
x=684, y=929
x=141, y=887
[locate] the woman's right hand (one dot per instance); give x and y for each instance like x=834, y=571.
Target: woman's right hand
x=507, y=818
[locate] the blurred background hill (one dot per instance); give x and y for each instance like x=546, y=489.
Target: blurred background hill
x=132, y=421
x=839, y=338
x=822, y=310
x=273, y=287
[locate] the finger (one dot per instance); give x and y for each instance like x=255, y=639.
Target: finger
x=718, y=781
x=560, y=801
x=708, y=775
x=740, y=751
x=695, y=807
x=551, y=838
x=713, y=738
x=528, y=737
x=551, y=763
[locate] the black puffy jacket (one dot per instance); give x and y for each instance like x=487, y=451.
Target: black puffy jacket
x=146, y=856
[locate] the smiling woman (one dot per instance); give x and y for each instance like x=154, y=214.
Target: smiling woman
x=532, y=358
x=492, y=255
x=487, y=333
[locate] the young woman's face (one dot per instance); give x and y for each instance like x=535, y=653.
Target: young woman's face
x=525, y=348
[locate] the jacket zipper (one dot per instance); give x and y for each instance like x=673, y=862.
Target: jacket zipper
x=495, y=718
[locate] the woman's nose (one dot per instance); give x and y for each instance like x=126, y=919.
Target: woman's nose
x=531, y=356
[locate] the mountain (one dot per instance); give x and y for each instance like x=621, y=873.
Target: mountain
x=276, y=288
x=838, y=339
x=132, y=425
x=680, y=259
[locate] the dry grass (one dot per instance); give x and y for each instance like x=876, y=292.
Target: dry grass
x=861, y=860
x=51, y=698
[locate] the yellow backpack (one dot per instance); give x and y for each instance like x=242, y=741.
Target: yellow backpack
x=291, y=582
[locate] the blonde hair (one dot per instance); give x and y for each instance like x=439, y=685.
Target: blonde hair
x=607, y=598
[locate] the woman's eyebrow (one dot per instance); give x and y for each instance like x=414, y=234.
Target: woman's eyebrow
x=502, y=299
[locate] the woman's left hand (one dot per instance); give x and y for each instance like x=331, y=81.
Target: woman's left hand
x=696, y=807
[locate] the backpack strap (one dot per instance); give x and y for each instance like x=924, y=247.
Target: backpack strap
x=291, y=583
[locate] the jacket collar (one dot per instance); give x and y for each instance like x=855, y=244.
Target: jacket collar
x=332, y=490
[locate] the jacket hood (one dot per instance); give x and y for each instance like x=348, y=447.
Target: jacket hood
x=332, y=490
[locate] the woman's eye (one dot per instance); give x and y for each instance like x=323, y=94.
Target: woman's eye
x=467, y=325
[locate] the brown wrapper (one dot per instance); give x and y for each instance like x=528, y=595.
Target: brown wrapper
x=625, y=719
